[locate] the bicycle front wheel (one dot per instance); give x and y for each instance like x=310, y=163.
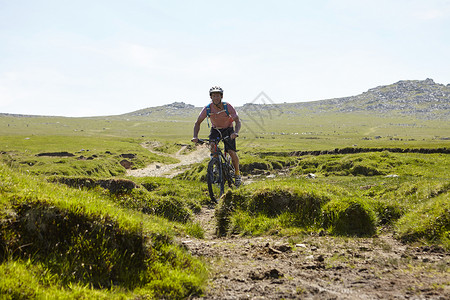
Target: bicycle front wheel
x=215, y=179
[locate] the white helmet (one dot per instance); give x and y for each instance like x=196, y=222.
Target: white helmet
x=215, y=89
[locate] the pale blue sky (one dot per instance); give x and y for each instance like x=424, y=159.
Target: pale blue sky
x=106, y=57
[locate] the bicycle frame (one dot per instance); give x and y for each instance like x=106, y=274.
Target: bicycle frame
x=221, y=162
x=225, y=158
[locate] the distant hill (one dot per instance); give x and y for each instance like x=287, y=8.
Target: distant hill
x=174, y=109
x=419, y=98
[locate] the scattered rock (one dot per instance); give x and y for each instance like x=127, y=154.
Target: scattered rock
x=283, y=248
x=431, y=249
x=272, y=274
x=320, y=258
x=273, y=251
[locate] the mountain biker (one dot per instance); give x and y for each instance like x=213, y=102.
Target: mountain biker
x=222, y=116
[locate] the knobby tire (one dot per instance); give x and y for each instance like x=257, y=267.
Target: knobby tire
x=215, y=179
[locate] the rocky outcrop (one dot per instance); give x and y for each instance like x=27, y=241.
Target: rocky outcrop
x=174, y=109
x=408, y=97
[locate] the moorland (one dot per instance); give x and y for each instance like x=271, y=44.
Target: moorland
x=343, y=198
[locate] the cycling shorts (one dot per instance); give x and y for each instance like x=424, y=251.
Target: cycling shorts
x=218, y=133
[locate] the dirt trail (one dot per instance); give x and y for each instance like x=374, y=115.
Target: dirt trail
x=171, y=170
x=319, y=267
x=311, y=266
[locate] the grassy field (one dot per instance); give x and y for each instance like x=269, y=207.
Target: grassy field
x=349, y=195
x=63, y=242
x=75, y=226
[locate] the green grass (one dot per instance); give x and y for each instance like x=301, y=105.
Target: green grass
x=291, y=130
x=346, y=202
x=295, y=203
x=377, y=163
x=430, y=221
x=377, y=188
x=30, y=280
x=71, y=227
x=82, y=238
x=93, y=156
x=349, y=216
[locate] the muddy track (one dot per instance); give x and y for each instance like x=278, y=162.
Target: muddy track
x=318, y=267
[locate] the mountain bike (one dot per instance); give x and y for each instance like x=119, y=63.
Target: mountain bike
x=220, y=169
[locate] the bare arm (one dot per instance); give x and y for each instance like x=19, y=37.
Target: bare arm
x=199, y=121
x=196, y=130
x=236, y=128
x=238, y=125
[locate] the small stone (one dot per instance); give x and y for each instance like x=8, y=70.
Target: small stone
x=320, y=258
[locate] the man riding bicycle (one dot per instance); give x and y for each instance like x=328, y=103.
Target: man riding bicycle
x=222, y=116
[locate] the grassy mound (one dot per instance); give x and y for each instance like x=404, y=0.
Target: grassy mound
x=197, y=172
x=350, y=206
x=351, y=216
x=80, y=246
x=175, y=200
x=81, y=242
x=279, y=203
x=430, y=221
x=284, y=205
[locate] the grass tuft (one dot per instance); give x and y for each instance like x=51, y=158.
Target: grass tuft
x=349, y=216
x=430, y=221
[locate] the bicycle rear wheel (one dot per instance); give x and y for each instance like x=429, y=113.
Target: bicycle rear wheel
x=215, y=179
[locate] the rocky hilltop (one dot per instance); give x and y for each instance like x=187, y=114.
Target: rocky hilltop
x=421, y=98
x=174, y=109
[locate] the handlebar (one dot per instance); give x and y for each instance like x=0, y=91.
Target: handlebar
x=203, y=141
